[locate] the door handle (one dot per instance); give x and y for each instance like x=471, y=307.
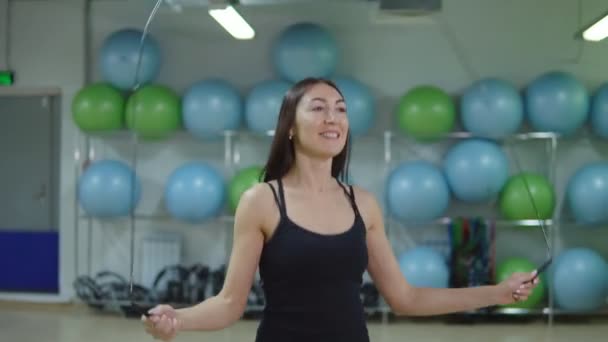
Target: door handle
x=41, y=194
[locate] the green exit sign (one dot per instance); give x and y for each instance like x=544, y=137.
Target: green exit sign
x=7, y=78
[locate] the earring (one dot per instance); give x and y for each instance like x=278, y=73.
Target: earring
x=290, y=136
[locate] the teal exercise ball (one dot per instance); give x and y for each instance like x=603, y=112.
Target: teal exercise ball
x=417, y=192
x=360, y=104
x=587, y=193
x=492, y=108
x=599, y=112
x=476, y=170
x=423, y=266
x=125, y=61
x=557, y=102
x=109, y=188
x=210, y=107
x=305, y=50
x=263, y=105
x=579, y=278
x=195, y=192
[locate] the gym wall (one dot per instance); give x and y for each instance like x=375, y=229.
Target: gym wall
x=56, y=44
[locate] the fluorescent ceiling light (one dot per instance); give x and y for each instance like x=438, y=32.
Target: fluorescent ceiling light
x=597, y=31
x=232, y=22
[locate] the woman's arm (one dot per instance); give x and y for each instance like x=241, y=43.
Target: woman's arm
x=228, y=306
x=405, y=299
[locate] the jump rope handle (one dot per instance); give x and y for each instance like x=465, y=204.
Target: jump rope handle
x=139, y=310
x=542, y=268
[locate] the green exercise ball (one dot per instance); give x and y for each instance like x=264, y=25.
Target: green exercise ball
x=154, y=111
x=426, y=113
x=512, y=265
x=516, y=201
x=241, y=182
x=98, y=107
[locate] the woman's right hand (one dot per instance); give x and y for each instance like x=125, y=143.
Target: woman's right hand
x=163, y=323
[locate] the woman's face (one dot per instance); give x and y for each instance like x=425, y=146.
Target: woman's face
x=321, y=124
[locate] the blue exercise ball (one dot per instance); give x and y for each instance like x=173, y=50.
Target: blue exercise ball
x=599, y=112
x=195, y=192
x=109, y=188
x=492, y=108
x=360, y=104
x=476, y=170
x=557, y=102
x=579, y=277
x=587, y=193
x=263, y=105
x=417, y=191
x=210, y=107
x=305, y=50
x=424, y=267
x=119, y=56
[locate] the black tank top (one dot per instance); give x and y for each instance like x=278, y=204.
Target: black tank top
x=312, y=281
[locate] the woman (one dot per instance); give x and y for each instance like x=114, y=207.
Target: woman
x=313, y=238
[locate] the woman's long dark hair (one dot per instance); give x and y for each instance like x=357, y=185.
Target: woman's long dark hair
x=282, y=152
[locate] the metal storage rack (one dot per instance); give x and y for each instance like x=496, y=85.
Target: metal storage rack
x=232, y=158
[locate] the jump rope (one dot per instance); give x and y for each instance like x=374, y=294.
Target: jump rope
x=142, y=309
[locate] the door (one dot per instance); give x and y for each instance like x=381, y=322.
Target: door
x=29, y=131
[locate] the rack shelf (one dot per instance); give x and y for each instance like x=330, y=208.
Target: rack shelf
x=157, y=217
x=230, y=219
x=184, y=135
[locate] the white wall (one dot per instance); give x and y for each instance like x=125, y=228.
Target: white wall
x=513, y=40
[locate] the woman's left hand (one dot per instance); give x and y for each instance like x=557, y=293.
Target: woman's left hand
x=516, y=288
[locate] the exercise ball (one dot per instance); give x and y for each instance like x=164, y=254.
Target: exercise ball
x=241, y=182
x=153, y=112
x=360, y=104
x=195, y=192
x=263, y=105
x=108, y=188
x=98, y=107
x=492, y=108
x=587, y=193
x=305, y=50
x=211, y=107
x=426, y=113
x=119, y=57
x=424, y=267
x=524, y=194
x=579, y=277
x=599, y=112
x=521, y=265
x=476, y=170
x=557, y=102
x=417, y=191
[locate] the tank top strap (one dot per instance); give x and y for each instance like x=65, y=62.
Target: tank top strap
x=280, y=203
x=282, y=196
x=351, y=196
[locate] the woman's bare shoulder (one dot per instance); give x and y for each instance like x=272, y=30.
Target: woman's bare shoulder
x=258, y=203
x=368, y=205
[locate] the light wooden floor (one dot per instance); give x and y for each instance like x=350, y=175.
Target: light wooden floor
x=67, y=323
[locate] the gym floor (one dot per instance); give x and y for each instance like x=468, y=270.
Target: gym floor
x=71, y=323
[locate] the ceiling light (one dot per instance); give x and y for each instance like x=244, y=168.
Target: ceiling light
x=232, y=22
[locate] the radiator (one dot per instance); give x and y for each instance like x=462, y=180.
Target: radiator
x=159, y=250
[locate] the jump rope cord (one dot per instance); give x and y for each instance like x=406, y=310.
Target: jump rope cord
x=135, y=143
x=527, y=186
